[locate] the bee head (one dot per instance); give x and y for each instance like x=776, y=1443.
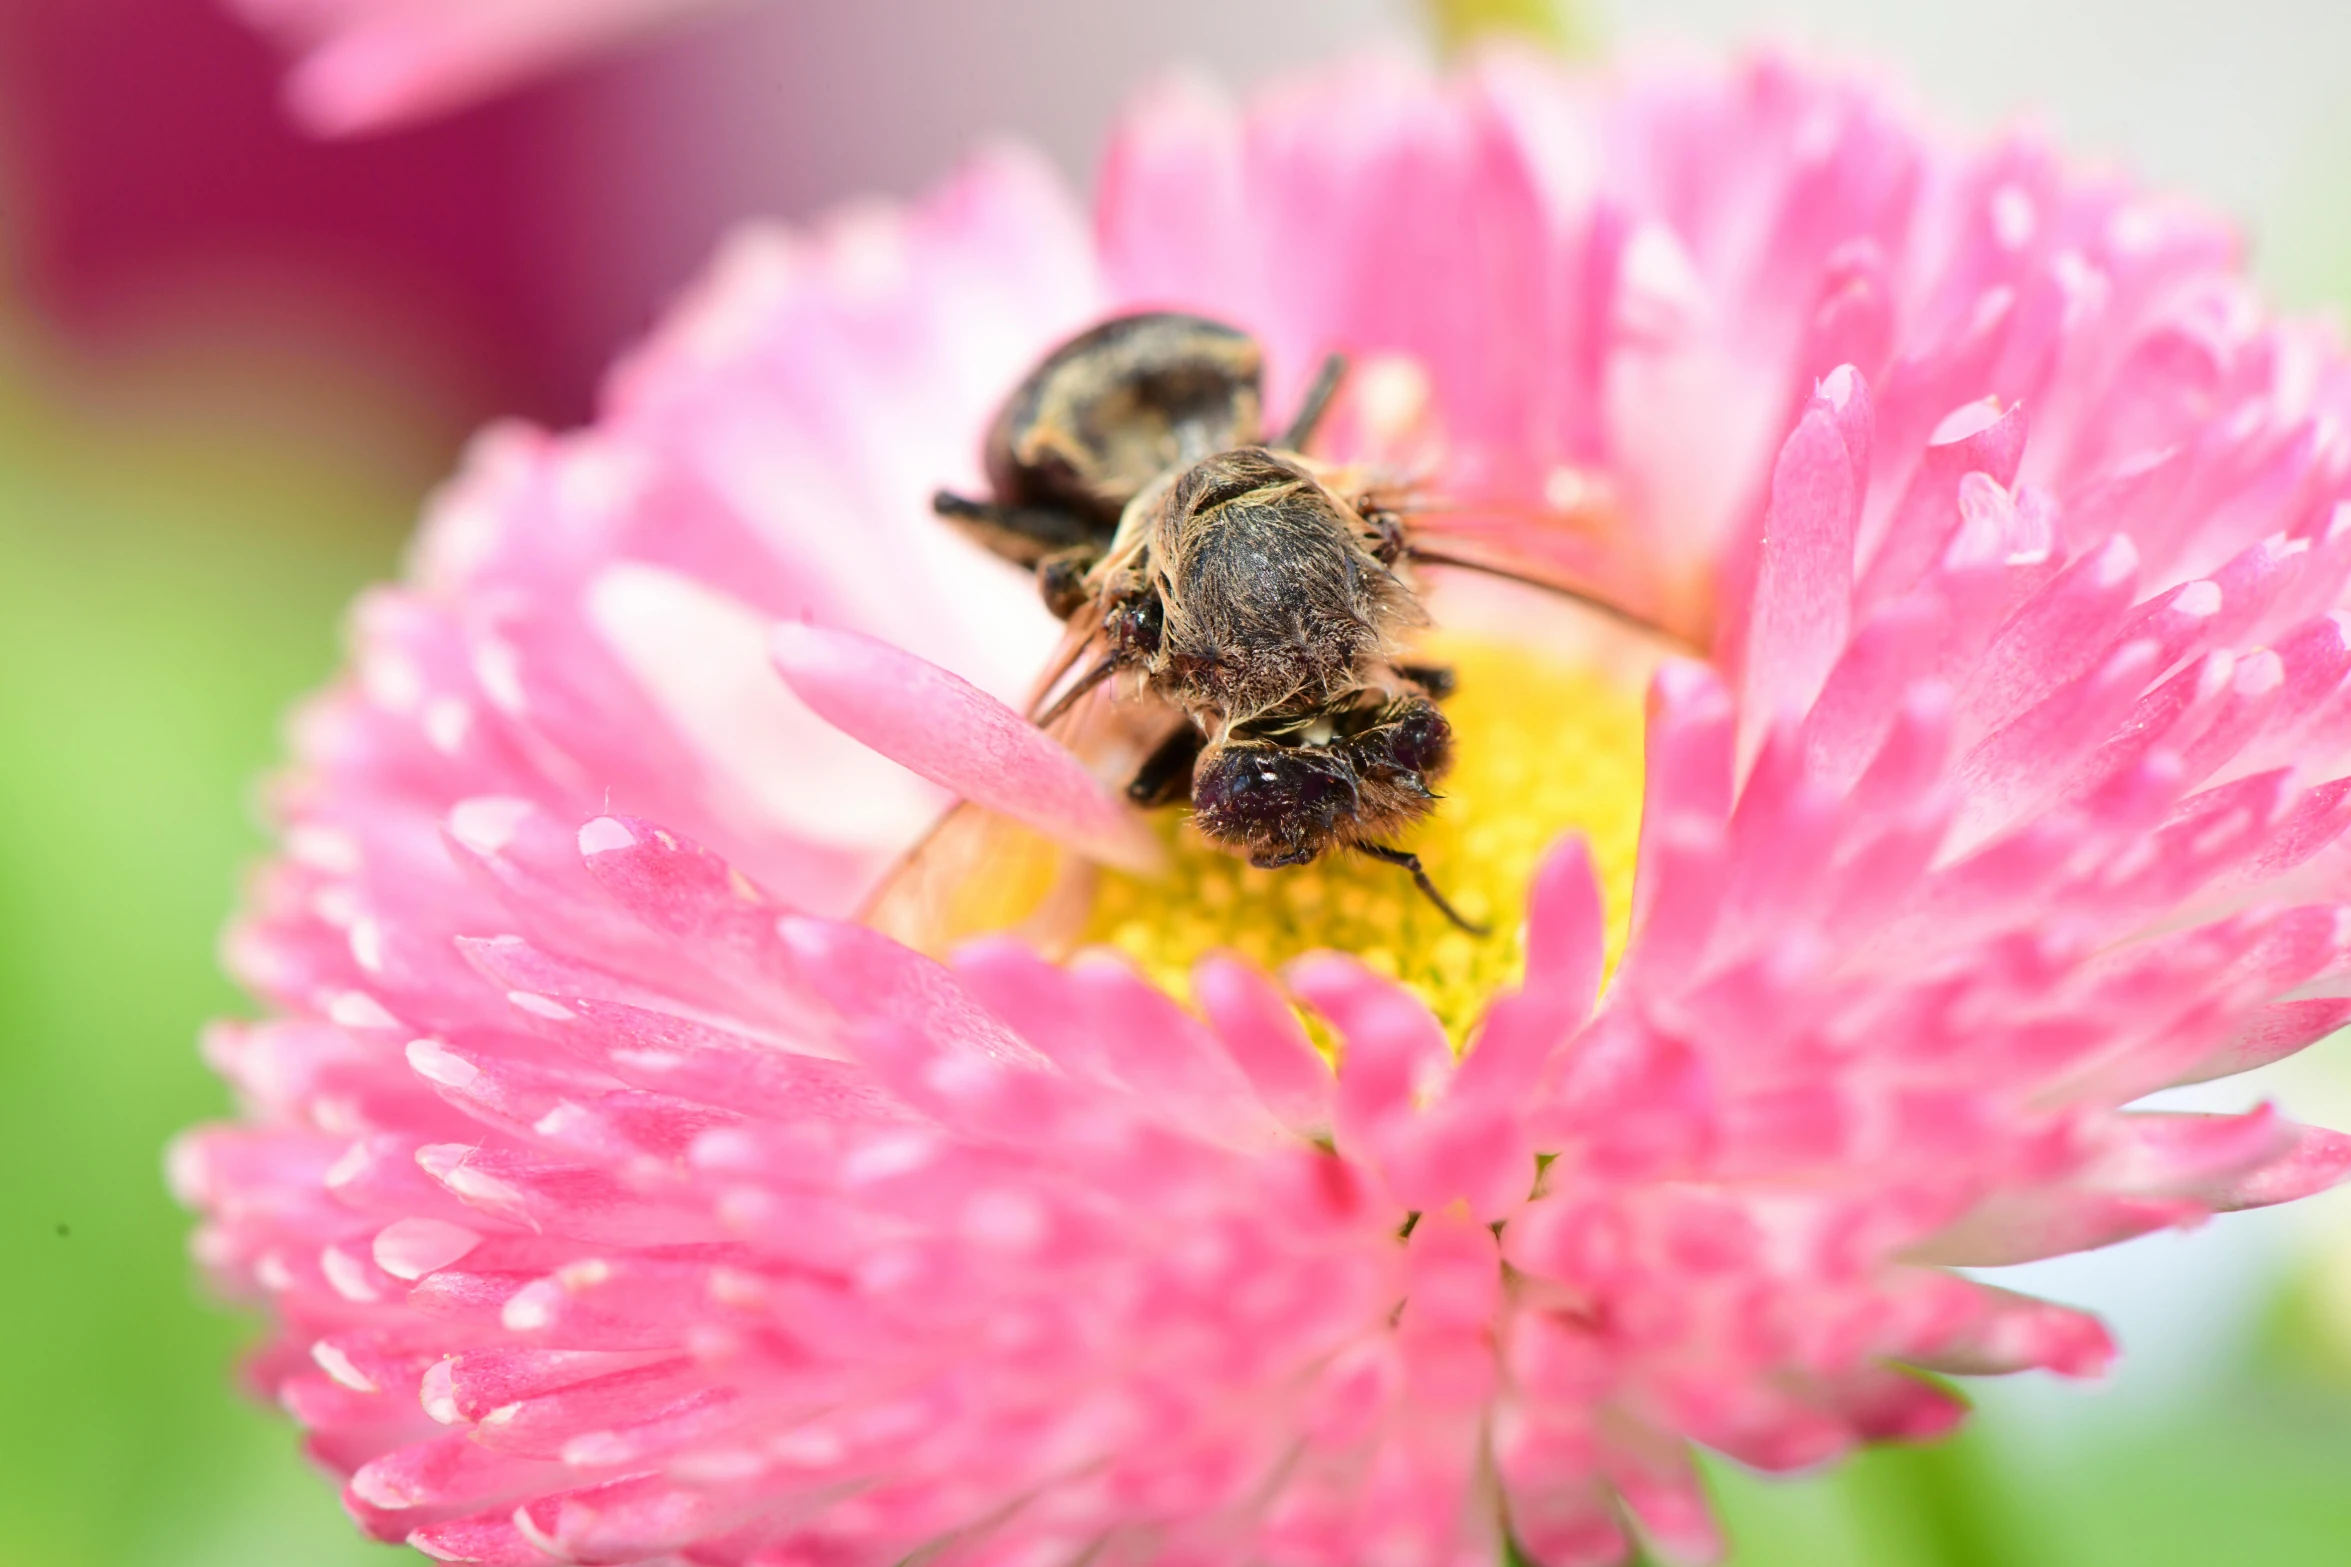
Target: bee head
x=1281, y=804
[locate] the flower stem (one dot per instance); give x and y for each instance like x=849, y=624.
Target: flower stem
x=1563, y=25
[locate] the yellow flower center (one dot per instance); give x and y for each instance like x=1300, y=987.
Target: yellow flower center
x=1542, y=746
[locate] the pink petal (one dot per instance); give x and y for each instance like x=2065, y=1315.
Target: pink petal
x=870, y=978
x=2272, y=1033
x=1978, y=438
x=2316, y=1161
x=377, y=64
x=1804, y=583
x=1266, y=1041
x=1393, y=1048
x=2005, y=1333
x=490, y=1539
x=941, y=726
x=1566, y=936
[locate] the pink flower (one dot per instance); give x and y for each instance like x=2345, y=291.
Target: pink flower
x=370, y=65
x=620, y=1198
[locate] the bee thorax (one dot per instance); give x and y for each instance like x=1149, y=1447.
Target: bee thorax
x=1273, y=600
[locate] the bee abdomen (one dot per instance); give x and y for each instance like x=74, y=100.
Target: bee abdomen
x=1117, y=406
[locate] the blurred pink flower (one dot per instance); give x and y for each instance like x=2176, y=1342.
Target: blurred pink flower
x=370, y=65
x=619, y=1200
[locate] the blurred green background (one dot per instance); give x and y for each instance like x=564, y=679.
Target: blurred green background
x=194, y=478
x=170, y=574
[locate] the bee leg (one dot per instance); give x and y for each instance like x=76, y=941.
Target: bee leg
x=1436, y=681
x=1317, y=403
x=1061, y=578
x=1420, y=879
x=1024, y=535
x=1166, y=774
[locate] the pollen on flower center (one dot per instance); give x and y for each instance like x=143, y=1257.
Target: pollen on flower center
x=1542, y=747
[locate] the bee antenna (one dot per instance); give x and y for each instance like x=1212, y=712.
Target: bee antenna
x=1317, y=403
x=1428, y=888
x=1623, y=615
x=1085, y=683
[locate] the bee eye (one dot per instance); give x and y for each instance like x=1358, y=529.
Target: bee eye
x=1134, y=626
x=1422, y=742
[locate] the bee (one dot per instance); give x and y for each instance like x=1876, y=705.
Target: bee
x=1259, y=601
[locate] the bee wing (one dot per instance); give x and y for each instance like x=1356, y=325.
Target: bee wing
x=977, y=871
x=1568, y=551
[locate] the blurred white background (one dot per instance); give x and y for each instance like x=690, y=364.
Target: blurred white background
x=781, y=106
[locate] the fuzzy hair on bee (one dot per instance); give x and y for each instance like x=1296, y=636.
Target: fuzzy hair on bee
x=1270, y=593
